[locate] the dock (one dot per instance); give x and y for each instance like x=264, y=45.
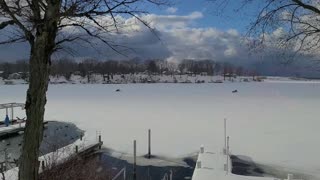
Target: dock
x=217, y=164
x=79, y=148
x=12, y=130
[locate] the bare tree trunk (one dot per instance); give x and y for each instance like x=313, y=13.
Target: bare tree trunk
x=35, y=108
x=41, y=51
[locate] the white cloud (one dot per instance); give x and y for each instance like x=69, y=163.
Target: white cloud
x=169, y=22
x=230, y=52
x=180, y=39
x=171, y=10
x=233, y=32
x=196, y=15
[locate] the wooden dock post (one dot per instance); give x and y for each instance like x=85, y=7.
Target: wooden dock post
x=225, y=136
x=1, y=168
x=77, y=149
x=42, y=165
x=134, y=160
x=12, y=114
x=100, y=141
x=227, y=150
x=149, y=143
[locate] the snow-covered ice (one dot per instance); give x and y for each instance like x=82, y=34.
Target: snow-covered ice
x=273, y=123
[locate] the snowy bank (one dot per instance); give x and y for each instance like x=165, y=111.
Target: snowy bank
x=57, y=157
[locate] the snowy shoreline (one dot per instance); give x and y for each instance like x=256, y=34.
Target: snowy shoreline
x=151, y=79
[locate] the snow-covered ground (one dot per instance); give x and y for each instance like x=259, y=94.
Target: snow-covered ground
x=59, y=156
x=273, y=123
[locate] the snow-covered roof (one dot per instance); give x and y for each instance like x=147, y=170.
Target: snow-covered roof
x=11, y=105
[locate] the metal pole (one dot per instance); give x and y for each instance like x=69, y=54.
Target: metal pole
x=134, y=160
x=100, y=141
x=149, y=143
x=12, y=114
x=225, y=136
x=227, y=154
x=6, y=111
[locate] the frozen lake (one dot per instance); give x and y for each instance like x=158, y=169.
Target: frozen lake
x=273, y=122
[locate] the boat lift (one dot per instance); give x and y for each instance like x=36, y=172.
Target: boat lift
x=11, y=106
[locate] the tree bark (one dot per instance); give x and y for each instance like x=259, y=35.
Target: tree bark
x=35, y=108
x=41, y=51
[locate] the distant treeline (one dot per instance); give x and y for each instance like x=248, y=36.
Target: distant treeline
x=67, y=67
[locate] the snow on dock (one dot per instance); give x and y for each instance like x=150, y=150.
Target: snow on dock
x=217, y=165
x=80, y=147
x=11, y=129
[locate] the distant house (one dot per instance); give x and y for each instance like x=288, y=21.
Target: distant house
x=230, y=75
x=14, y=76
x=246, y=80
x=8, y=82
x=204, y=73
x=177, y=72
x=1, y=73
x=77, y=73
x=167, y=73
x=189, y=73
x=218, y=81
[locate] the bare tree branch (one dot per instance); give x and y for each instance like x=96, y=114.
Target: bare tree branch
x=6, y=23
x=48, y=25
x=13, y=40
x=291, y=27
x=7, y=10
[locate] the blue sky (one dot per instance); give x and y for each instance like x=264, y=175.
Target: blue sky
x=230, y=18
x=189, y=29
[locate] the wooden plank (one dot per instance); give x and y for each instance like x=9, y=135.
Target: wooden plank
x=13, y=131
x=90, y=149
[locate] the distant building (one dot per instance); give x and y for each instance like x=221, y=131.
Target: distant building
x=176, y=72
x=8, y=82
x=204, y=73
x=230, y=75
x=77, y=73
x=14, y=76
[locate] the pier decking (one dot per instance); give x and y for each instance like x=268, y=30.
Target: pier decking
x=217, y=165
x=13, y=129
x=213, y=165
